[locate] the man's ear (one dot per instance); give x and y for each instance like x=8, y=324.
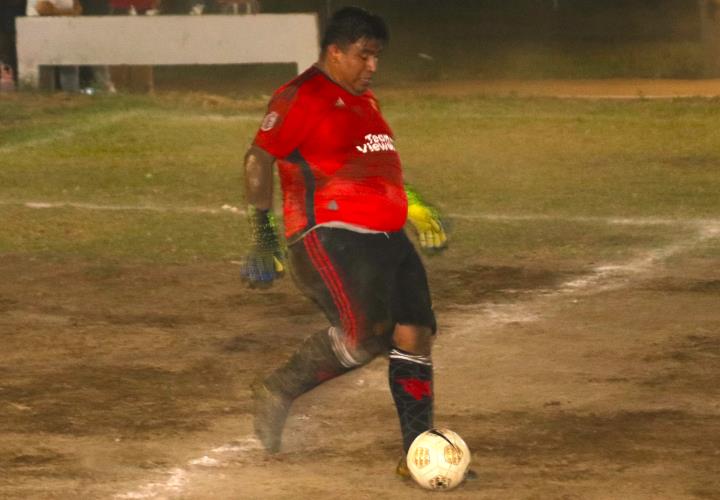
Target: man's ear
x=334, y=52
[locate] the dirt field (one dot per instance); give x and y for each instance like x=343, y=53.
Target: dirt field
x=131, y=382
x=587, y=379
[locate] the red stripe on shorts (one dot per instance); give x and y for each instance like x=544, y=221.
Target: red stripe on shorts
x=322, y=263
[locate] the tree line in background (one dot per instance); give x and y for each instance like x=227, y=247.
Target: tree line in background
x=445, y=39
x=528, y=19
x=551, y=38
x=535, y=38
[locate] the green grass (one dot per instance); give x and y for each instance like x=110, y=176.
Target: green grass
x=471, y=155
x=640, y=158
x=128, y=235
x=122, y=235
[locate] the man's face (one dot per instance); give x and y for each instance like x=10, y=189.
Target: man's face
x=354, y=67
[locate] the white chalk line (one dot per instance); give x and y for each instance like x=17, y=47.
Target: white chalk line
x=231, y=209
x=68, y=133
x=179, y=477
x=49, y=205
x=601, y=278
x=631, y=221
x=624, y=97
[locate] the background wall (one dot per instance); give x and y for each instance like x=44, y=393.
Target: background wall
x=533, y=38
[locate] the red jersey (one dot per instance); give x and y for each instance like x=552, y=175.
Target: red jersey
x=336, y=157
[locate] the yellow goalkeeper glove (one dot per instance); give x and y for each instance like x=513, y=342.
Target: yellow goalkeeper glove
x=426, y=222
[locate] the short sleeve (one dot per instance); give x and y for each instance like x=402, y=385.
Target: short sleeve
x=289, y=119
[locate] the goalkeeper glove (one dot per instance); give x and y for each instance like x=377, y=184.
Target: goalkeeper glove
x=265, y=260
x=425, y=219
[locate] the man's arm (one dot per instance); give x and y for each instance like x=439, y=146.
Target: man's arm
x=46, y=8
x=259, y=178
x=264, y=261
x=426, y=221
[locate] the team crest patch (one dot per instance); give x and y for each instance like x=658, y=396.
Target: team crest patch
x=269, y=121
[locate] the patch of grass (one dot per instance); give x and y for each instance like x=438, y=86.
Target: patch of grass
x=122, y=235
x=560, y=156
x=554, y=240
x=171, y=237
x=469, y=155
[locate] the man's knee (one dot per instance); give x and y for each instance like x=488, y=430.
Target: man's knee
x=415, y=339
x=355, y=352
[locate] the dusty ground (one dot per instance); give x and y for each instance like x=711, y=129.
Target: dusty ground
x=567, y=381
x=126, y=381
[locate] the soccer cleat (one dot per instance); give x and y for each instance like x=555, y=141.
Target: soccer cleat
x=269, y=414
x=402, y=470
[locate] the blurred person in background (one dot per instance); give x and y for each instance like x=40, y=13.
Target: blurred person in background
x=125, y=7
x=133, y=78
x=232, y=6
x=67, y=78
x=9, y=10
x=96, y=77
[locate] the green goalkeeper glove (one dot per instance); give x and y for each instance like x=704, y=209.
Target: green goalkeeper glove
x=265, y=260
x=425, y=219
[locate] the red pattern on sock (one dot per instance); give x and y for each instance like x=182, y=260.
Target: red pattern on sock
x=417, y=388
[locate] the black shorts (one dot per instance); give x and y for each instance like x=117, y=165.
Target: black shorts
x=365, y=283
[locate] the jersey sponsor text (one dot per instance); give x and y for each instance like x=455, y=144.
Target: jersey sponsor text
x=376, y=142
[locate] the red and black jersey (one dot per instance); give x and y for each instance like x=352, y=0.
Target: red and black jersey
x=336, y=157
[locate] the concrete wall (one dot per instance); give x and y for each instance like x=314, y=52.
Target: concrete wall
x=159, y=40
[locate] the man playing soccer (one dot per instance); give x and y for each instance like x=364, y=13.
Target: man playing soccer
x=345, y=206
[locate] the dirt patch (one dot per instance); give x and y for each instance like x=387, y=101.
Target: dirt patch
x=684, y=285
x=477, y=283
x=115, y=378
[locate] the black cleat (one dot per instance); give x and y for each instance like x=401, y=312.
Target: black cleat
x=270, y=410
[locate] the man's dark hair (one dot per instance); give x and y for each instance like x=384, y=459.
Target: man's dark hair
x=350, y=24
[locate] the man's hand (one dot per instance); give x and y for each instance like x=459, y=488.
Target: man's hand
x=426, y=222
x=266, y=260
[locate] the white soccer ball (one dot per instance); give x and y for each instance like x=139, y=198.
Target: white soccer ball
x=438, y=459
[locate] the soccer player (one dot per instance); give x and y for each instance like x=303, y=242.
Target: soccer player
x=345, y=206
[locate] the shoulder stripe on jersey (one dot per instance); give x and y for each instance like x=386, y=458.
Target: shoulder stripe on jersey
x=291, y=88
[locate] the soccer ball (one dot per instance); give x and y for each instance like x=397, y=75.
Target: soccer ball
x=438, y=459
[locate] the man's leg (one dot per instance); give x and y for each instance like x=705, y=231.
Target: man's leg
x=69, y=78
x=411, y=380
x=410, y=364
x=314, y=362
x=335, y=279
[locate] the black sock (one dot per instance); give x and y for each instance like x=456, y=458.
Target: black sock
x=412, y=389
x=313, y=363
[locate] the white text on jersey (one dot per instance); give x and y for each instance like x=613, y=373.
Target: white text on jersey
x=379, y=142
